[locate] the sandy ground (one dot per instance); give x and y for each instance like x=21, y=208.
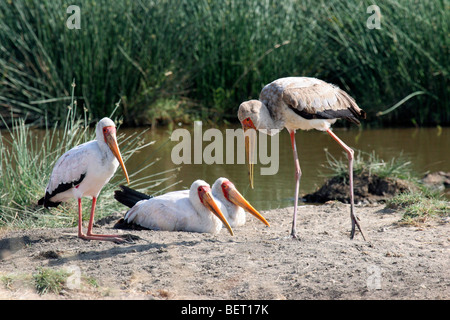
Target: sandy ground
x=398, y=262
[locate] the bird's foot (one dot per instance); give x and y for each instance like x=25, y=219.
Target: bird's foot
x=294, y=235
x=128, y=238
x=356, y=223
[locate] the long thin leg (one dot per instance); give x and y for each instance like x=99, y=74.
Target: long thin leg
x=91, y=218
x=350, y=154
x=80, y=219
x=298, y=174
x=90, y=235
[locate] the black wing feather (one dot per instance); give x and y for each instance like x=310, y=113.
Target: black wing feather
x=47, y=203
x=327, y=114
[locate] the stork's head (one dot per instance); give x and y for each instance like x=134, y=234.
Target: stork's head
x=106, y=131
x=231, y=194
x=202, y=191
x=248, y=114
x=255, y=115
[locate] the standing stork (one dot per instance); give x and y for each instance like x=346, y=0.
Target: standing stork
x=301, y=103
x=83, y=171
x=233, y=204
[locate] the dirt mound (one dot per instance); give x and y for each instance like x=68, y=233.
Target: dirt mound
x=368, y=188
x=437, y=180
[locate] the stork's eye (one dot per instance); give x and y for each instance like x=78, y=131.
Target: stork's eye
x=199, y=189
x=105, y=130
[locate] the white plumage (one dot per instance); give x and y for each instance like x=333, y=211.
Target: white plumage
x=187, y=210
x=87, y=159
x=232, y=203
x=300, y=103
x=83, y=171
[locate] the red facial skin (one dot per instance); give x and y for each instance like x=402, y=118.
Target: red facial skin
x=108, y=131
x=202, y=191
x=247, y=123
x=226, y=186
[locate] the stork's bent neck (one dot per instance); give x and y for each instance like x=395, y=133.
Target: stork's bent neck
x=269, y=120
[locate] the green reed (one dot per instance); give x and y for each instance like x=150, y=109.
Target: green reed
x=27, y=157
x=211, y=55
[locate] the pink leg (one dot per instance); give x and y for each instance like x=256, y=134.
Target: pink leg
x=80, y=219
x=91, y=218
x=350, y=154
x=298, y=174
x=90, y=235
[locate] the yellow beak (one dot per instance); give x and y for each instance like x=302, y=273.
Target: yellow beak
x=208, y=202
x=250, y=153
x=111, y=141
x=235, y=196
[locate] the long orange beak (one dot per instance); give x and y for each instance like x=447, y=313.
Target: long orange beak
x=208, y=201
x=233, y=195
x=250, y=143
x=249, y=154
x=111, y=140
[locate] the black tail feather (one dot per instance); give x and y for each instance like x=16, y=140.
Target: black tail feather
x=122, y=224
x=129, y=197
x=47, y=203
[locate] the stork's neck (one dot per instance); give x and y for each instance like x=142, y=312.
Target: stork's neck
x=104, y=149
x=268, y=119
x=230, y=209
x=205, y=219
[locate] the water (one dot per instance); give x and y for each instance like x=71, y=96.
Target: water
x=427, y=148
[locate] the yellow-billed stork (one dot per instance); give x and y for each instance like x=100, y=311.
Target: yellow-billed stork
x=83, y=171
x=301, y=103
x=191, y=210
x=232, y=203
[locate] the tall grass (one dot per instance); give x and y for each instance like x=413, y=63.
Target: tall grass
x=27, y=157
x=210, y=55
x=371, y=164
